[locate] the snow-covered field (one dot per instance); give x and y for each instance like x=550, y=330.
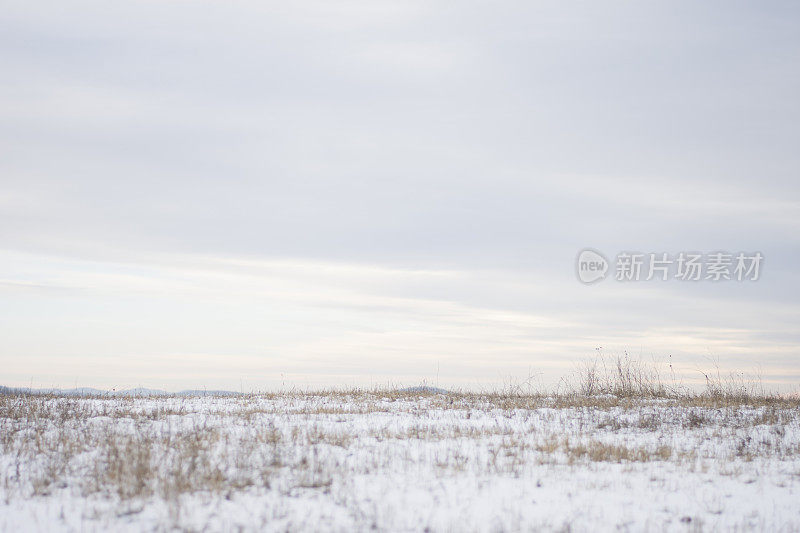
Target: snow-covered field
x=393, y=461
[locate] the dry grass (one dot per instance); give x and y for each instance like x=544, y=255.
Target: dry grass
x=162, y=448
x=614, y=453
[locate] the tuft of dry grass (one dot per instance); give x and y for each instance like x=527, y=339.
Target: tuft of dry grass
x=614, y=453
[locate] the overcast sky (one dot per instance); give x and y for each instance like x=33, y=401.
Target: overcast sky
x=251, y=194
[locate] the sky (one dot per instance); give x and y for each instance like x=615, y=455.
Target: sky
x=259, y=195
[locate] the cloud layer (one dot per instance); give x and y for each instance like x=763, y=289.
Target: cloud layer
x=212, y=193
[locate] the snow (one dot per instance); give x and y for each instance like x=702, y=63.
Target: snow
x=395, y=462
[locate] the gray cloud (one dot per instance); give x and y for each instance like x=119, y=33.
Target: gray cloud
x=491, y=141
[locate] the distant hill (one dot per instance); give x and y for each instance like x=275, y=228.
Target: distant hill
x=137, y=392
x=140, y=392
